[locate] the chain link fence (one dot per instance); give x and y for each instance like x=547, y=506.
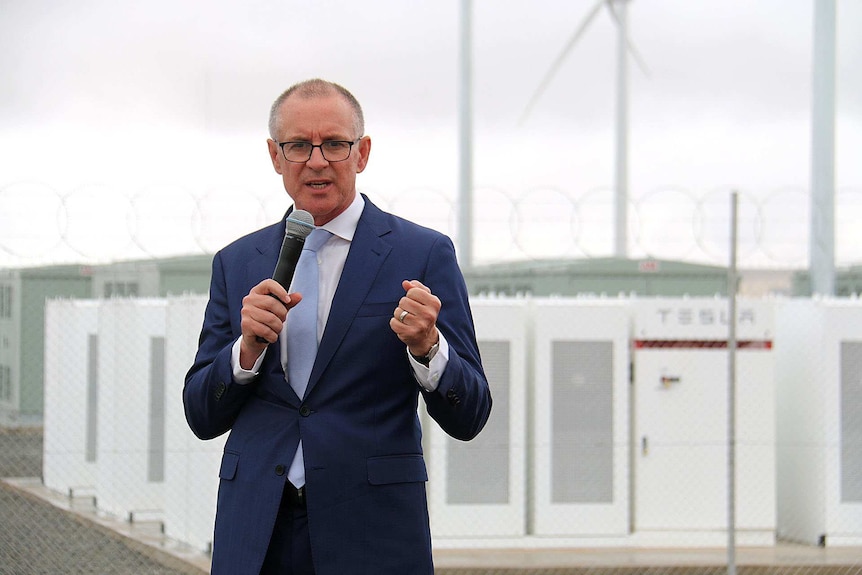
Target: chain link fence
x=607, y=451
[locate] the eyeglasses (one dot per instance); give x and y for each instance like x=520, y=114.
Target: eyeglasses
x=332, y=150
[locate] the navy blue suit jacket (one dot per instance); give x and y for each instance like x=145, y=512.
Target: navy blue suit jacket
x=365, y=472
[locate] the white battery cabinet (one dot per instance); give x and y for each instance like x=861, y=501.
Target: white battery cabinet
x=819, y=346
x=680, y=419
x=580, y=418
x=71, y=396
x=131, y=408
x=477, y=489
x=191, y=464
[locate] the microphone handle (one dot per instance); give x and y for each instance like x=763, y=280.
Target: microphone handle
x=288, y=257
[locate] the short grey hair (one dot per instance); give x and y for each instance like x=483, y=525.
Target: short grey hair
x=316, y=88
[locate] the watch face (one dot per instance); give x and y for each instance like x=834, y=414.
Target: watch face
x=426, y=359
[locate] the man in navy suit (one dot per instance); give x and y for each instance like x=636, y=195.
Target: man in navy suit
x=332, y=482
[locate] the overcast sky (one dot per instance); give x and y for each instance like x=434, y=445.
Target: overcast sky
x=138, y=128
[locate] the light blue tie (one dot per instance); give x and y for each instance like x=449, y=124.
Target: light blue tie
x=302, y=331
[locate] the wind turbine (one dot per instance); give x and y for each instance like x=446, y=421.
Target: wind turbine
x=618, y=11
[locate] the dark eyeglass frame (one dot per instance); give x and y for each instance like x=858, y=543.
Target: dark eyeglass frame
x=320, y=145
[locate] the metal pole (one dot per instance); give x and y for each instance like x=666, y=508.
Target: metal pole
x=822, y=241
x=465, y=128
x=731, y=388
x=621, y=176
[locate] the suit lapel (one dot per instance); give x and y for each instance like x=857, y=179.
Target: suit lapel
x=367, y=253
x=261, y=265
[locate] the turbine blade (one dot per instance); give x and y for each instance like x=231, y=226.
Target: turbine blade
x=630, y=47
x=558, y=62
x=637, y=58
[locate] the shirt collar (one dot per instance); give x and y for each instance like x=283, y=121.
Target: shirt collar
x=344, y=224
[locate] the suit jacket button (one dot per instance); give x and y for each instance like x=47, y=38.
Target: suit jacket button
x=304, y=411
x=279, y=469
x=453, y=397
x=220, y=390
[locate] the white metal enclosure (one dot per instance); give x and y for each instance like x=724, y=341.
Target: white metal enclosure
x=131, y=407
x=580, y=418
x=680, y=421
x=820, y=421
x=71, y=395
x=478, y=488
x=191, y=464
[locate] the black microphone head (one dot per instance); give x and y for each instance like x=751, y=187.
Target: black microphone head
x=299, y=223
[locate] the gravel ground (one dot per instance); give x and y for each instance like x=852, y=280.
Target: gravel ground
x=36, y=538
x=20, y=452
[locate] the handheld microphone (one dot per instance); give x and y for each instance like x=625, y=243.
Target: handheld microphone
x=299, y=224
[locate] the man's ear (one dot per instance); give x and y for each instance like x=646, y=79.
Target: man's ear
x=364, y=149
x=274, y=153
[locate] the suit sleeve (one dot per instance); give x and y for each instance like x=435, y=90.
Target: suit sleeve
x=461, y=403
x=212, y=399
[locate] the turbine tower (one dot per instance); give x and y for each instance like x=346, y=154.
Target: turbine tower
x=822, y=241
x=618, y=10
x=465, y=138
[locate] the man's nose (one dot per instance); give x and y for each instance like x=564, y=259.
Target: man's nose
x=316, y=159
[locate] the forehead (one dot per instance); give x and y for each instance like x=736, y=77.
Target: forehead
x=326, y=117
